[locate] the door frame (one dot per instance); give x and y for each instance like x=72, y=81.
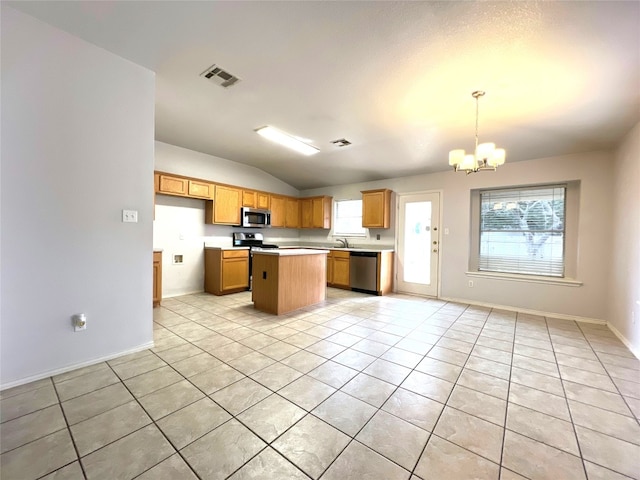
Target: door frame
x=440, y=193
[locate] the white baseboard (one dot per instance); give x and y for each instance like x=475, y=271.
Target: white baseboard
x=182, y=293
x=562, y=316
x=68, y=368
x=627, y=343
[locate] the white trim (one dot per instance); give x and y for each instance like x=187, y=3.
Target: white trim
x=193, y=292
x=561, y=316
x=514, y=277
x=88, y=363
x=627, y=343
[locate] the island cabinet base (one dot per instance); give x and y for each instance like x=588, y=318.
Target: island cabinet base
x=282, y=284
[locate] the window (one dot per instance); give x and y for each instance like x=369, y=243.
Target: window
x=522, y=231
x=348, y=219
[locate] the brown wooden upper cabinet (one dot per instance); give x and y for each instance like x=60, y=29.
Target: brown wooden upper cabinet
x=277, y=211
x=225, y=208
x=182, y=187
x=262, y=200
x=200, y=189
x=249, y=198
x=225, y=201
x=376, y=206
x=292, y=213
x=253, y=199
x=172, y=185
x=315, y=212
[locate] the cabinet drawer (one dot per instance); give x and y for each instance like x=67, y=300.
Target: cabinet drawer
x=235, y=253
x=340, y=254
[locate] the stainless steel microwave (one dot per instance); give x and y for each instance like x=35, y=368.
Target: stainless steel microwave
x=255, y=218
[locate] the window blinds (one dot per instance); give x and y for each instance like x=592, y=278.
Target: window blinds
x=522, y=230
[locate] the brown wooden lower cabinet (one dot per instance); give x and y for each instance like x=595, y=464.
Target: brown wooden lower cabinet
x=225, y=271
x=385, y=273
x=340, y=271
x=286, y=282
x=157, y=278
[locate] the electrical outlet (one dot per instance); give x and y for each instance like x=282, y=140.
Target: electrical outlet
x=470, y=283
x=79, y=321
x=130, y=216
x=178, y=259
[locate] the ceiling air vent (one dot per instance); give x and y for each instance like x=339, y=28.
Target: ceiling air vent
x=341, y=142
x=219, y=76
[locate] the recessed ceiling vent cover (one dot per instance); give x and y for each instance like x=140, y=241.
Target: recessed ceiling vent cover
x=341, y=142
x=219, y=76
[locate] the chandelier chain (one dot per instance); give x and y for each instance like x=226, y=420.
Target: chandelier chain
x=485, y=156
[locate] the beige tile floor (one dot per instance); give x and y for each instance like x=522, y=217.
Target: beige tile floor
x=361, y=387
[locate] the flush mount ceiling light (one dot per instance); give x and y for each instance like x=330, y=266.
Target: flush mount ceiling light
x=485, y=157
x=287, y=140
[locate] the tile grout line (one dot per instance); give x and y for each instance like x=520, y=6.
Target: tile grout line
x=352, y=438
x=611, y=379
x=432, y=433
x=378, y=409
x=506, y=410
x=573, y=425
x=154, y=423
x=73, y=440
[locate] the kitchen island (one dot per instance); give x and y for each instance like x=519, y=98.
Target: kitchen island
x=288, y=279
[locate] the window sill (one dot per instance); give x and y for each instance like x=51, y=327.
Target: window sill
x=567, y=282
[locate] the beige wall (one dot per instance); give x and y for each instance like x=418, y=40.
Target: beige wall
x=624, y=292
x=593, y=170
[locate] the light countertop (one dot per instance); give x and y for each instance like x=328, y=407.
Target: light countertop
x=351, y=249
x=285, y=252
x=215, y=247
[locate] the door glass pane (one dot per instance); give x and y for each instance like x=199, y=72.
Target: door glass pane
x=417, y=243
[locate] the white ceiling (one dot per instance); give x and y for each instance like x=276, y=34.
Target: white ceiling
x=394, y=78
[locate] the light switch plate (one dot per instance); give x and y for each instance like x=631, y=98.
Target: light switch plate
x=130, y=216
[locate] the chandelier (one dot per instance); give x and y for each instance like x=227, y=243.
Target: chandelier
x=486, y=157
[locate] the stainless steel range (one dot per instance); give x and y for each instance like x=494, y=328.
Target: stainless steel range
x=254, y=241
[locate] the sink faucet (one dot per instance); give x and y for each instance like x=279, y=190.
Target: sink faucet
x=344, y=242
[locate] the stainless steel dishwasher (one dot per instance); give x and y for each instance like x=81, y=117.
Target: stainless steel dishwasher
x=363, y=271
